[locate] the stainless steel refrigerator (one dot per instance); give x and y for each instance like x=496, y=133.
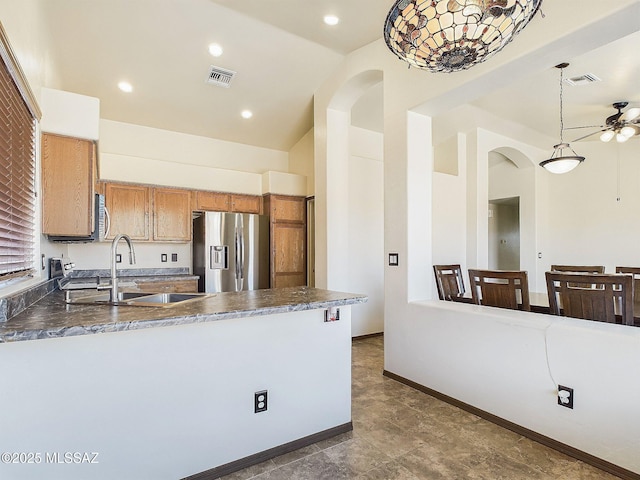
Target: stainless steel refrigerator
x=231, y=251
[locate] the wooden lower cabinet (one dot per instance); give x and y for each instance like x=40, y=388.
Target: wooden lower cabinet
x=166, y=286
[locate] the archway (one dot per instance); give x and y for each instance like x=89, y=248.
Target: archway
x=349, y=198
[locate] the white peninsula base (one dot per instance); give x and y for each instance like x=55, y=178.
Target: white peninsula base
x=171, y=402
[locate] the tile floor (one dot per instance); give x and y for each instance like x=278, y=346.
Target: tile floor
x=402, y=434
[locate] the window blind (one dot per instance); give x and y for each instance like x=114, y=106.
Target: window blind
x=17, y=180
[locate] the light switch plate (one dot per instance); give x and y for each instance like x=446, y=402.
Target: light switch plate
x=393, y=259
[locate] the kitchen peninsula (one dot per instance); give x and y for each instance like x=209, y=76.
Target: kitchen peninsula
x=175, y=401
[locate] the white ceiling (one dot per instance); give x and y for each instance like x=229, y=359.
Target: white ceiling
x=535, y=101
x=282, y=52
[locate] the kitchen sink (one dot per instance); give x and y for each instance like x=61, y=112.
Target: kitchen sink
x=166, y=298
x=141, y=299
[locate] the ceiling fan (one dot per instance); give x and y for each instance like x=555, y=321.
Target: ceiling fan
x=620, y=125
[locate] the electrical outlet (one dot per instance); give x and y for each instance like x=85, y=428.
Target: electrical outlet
x=174, y=257
x=260, y=401
x=163, y=257
x=332, y=314
x=565, y=396
x=118, y=258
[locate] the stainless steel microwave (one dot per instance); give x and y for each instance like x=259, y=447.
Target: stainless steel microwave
x=100, y=227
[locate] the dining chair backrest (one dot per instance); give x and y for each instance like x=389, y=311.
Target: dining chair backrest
x=635, y=273
x=578, y=268
x=573, y=295
x=500, y=288
x=449, y=281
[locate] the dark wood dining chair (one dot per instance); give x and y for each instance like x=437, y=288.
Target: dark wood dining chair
x=573, y=295
x=449, y=281
x=500, y=288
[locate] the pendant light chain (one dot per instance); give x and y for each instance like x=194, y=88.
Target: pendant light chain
x=561, y=115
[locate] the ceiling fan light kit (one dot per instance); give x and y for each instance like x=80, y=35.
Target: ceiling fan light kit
x=453, y=35
x=607, y=136
x=621, y=125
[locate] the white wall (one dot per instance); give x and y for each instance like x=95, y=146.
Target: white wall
x=168, y=402
x=119, y=138
x=587, y=224
x=26, y=28
x=523, y=182
x=148, y=255
x=140, y=154
x=448, y=197
x=301, y=160
x=70, y=114
x=366, y=229
x=508, y=180
x=510, y=363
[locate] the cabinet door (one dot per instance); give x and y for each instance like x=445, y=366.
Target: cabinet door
x=245, y=203
x=67, y=186
x=171, y=215
x=212, y=201
x=287, y=209
x=288, y=261
x=128, y=207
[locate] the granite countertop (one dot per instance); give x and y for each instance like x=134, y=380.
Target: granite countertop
x=51, y=317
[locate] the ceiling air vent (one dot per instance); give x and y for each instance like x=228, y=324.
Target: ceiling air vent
x=582, y=79
x=220, y=76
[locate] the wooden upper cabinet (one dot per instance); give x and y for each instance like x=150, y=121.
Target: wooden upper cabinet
x=128, y=207
x=246, y=203
x=68, y=178
x=171, y=215
x=212, y=201
x=287, y=209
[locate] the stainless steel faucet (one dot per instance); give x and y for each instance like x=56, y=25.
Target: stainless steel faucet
x=114, y=251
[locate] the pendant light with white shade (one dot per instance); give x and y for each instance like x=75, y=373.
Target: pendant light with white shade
x=559, y=162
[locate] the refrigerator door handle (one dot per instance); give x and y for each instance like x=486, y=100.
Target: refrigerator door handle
x=239, y=259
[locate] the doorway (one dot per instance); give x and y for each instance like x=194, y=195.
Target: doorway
x=504, y=234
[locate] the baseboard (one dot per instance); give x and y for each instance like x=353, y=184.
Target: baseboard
x=368, y=335
x=525, y=432
x=265, y=455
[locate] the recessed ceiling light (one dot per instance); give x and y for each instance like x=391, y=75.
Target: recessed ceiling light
x=331, y=20
x=125, y=87
x=247, y=114
x=215, y=50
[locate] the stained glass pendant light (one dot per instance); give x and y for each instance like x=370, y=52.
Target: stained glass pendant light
x=452, y=35
x=559, y=162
